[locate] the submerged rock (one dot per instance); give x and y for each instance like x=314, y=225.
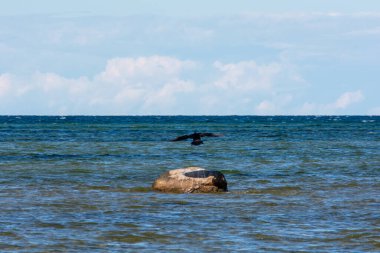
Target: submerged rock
x=191, y=180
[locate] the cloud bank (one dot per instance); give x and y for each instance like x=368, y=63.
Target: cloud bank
x=163, y=85
x=344, y=101
x=154, y=85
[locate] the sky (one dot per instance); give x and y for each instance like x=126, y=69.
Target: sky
x=167, y=57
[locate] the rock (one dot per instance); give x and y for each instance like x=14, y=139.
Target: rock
x=191, y=180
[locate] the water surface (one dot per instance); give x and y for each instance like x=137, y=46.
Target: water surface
x=296, y=184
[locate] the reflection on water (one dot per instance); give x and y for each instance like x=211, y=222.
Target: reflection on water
x=307, y=184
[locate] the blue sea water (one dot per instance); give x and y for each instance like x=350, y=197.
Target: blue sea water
x=83, y=184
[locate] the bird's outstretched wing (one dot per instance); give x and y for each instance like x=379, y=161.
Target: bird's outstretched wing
x=182, y=137
x=210, y=135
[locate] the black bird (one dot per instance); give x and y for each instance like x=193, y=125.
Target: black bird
x=196, y=137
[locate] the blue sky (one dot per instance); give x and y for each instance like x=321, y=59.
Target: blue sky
x=196, y=57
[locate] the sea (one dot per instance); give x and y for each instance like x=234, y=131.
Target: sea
x=295, y=184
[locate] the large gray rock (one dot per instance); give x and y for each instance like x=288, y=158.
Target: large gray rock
x=191, y=180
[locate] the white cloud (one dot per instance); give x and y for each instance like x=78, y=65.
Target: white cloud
x=308, y=109
x=163, y=85
x=129, y=94
x=147, y=84
x=51, y=83
x=123, y=70
x=348, y=98
x=167, y=97
x=276, y=105
x=5, y=84
x=247, y=87
x=246, y=75
x=265, y=107
x=366, y=32
x=307, y=15
x=344, y=101
x=142, y=85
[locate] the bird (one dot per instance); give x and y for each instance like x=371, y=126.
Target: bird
x=196, y=137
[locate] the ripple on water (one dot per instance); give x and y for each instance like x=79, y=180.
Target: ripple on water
x=9, y=234
x=264, y=237
x=52, y=225
x=135, y=237
x=360, y=238
x=120, y=189
x=277, y=191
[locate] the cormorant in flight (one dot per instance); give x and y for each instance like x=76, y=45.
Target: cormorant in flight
x=196, y=137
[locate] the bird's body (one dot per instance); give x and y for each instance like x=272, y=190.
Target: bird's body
x=196, y=137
